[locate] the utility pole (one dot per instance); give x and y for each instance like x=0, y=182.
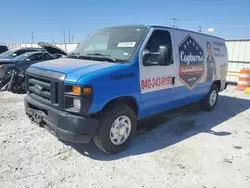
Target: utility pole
x=53, y=40
x=200, y=29
x=64, y=37
x=69, y=36
x=32, y=38
x=175, y=20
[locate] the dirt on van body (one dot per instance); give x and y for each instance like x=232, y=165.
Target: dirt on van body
x=183, y=148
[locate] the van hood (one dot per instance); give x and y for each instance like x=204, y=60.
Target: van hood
x=73, y=68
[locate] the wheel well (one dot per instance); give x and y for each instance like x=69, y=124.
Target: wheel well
x=130, y=101
x=218, y=84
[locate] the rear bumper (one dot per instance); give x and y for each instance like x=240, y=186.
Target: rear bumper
x=66, y=126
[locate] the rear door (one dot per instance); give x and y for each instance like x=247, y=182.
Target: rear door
x=157, y=81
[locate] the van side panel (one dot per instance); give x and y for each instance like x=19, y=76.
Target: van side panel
x=199, y=59
x=198, y=68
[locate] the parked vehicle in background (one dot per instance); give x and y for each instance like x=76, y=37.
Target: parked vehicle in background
x=11, y=54
x=3, y=48
x=12, y=71
x=119, y=75
x=21, y=63
x=52, y=49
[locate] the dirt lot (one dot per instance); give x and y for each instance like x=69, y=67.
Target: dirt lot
x=186, y=149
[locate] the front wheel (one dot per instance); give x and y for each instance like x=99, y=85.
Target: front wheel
x=9, y=73
x=210, y=101
x=117, y=128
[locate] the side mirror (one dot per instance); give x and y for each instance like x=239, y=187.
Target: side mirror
x=27, y=59
x=150, y=58
x=165, y=55
x=162, y=57
x=14, y=55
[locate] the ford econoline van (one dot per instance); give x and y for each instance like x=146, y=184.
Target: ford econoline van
x=122, y=74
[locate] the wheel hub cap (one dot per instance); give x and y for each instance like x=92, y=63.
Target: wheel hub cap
x=213, y=98
x=120, y=130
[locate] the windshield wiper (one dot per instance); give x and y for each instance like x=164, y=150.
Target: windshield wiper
x=103, y=55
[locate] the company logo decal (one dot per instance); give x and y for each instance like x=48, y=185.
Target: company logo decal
x=191, y=57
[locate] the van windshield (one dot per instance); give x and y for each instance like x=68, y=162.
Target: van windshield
x=112, y=44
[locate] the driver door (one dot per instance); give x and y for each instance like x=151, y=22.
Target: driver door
x=157, y=81
x=33, y=59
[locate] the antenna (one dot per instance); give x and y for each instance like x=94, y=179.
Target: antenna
x=175, y=20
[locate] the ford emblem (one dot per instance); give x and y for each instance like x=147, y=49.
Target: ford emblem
x=38, y=88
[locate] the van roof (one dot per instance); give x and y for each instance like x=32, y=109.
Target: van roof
x=185, y=30
x=166, y=27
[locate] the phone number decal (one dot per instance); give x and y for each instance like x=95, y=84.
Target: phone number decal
x=156, y=82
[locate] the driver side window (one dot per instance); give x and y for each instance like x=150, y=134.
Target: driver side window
x=157, y=39
x=36, y=57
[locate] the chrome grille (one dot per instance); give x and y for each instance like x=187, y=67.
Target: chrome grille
x=43, y=89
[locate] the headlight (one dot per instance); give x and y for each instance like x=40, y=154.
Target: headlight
x=78, y=98
x=77, y=104
x=85, y=90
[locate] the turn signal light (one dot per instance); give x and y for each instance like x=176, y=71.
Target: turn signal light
x=87, y=90
x=76, y=89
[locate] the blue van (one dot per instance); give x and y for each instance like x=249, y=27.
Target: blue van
x=121, y=74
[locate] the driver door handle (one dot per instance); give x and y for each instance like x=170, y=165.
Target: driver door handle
x=173, y=80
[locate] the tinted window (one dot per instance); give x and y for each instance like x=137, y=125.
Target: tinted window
x=31, y=50
x=157, y=39
x=47, y=57
x=19, y=52
x=36, y=57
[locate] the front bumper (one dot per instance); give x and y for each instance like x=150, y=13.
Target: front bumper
x=66, y=126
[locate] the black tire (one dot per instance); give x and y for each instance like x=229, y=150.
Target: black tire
x=205, y=103
x=9, y=72
x=107, y=118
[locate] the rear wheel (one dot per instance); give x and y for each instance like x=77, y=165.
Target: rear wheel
x=210, y=101
x=117, y=128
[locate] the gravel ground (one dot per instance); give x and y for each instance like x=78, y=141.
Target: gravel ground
x=189, y=148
